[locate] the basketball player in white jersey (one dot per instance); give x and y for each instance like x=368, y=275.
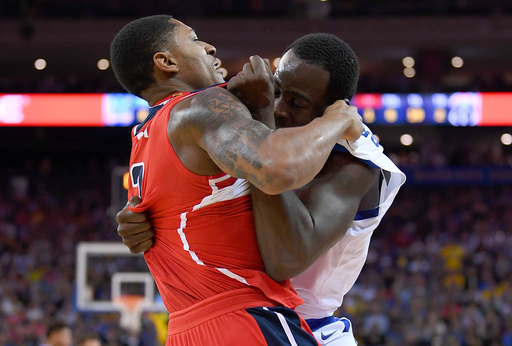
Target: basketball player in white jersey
x=329, y=222
x=324, y=284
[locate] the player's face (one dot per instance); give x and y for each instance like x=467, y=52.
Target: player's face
x=196, y=61
x=301, y=91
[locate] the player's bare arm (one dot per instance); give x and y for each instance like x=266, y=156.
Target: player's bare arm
x=295, y=229
x=328, y=208
x=274, y=161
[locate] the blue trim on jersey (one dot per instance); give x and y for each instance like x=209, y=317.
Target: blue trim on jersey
x=221, y=85
x=367, y=214
x=316, y=323
x=272, y=330
x=340, y=148
x=346, y=322
x=151, y=114
x=154, y=109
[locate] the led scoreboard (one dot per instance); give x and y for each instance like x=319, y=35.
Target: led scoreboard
x=454, y=109
x=457, y=109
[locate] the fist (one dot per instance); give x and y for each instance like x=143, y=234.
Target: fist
x=350, y=117
x=135, y=228
x=254, y=85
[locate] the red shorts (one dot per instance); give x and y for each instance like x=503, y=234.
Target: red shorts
x=273, y=326
x=231, y=321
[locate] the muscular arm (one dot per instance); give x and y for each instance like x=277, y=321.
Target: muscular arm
x=274, y=161
x=295, y=228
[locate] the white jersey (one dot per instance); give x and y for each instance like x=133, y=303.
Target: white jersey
x=323, y=285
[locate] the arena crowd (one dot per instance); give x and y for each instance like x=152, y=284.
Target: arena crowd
x=438, y=271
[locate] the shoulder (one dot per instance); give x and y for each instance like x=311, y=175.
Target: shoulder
x=209, y=108
x=215, y=93
x=210, y=99
x=348, y=170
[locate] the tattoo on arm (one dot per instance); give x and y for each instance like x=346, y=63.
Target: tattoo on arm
x=230, y=136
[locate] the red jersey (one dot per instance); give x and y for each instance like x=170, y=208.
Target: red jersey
x=205, y=244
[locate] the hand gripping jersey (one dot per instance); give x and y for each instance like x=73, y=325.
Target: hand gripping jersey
x=205, y=260
x=323, y=285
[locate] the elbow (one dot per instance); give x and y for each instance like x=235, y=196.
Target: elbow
x=285, y=269
x=278, y=276
x=280, y=177
x=280, y=273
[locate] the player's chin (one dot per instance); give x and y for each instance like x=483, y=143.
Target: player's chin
x=218, y=77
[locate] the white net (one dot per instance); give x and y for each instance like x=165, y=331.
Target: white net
x=130, y=308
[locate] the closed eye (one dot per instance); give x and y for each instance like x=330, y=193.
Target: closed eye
x=296, y=104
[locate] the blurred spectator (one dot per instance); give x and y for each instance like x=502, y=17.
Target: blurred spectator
x=59, y=334
x=443, y=287
x=89, y=340
x=376, y=324
x=438, y=269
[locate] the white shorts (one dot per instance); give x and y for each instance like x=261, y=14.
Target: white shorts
x=337, y=333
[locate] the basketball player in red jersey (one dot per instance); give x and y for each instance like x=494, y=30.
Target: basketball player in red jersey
x=191, y=164
x=315, y=70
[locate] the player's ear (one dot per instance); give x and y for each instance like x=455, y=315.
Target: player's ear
x=166, y=62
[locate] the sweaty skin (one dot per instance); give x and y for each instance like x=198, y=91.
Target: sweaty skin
x=214, y=132
x=326, y=206
x=318, y=214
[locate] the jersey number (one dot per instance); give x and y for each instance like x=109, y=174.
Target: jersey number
x=136, y=175
x=367, y=133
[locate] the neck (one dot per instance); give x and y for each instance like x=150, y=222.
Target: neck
x=156, y=93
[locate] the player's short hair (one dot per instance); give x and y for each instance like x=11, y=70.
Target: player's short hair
x=335, y=56
x=132, y=50
x=56, y=326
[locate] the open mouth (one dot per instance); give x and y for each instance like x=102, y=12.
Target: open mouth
x=218, y=69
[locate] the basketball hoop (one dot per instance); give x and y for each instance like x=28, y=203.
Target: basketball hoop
x=130, y=307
